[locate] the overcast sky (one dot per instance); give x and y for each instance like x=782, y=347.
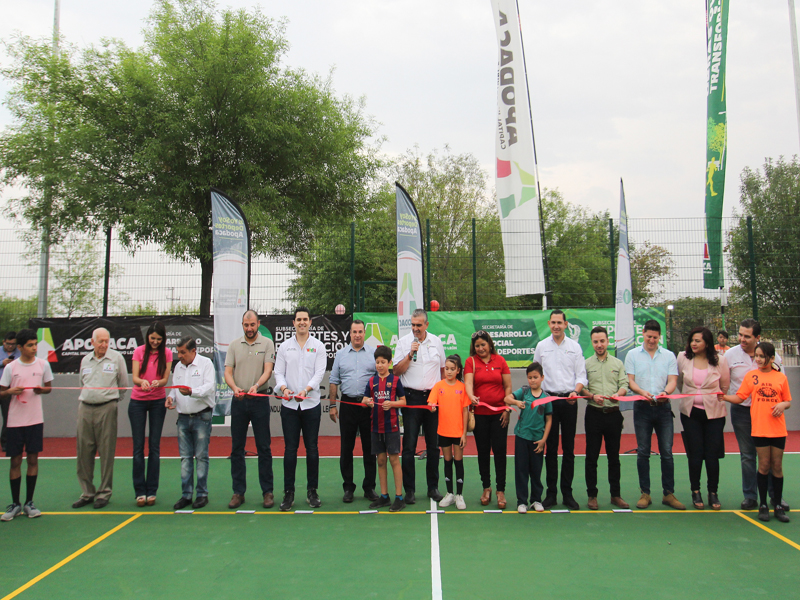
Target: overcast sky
x=617, y=87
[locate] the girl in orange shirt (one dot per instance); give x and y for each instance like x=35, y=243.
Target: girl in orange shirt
x=450, y=396
x=770, y=391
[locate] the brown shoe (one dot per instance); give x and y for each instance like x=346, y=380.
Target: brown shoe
x=671, y=500
x=269, y=500
x=501, y=500
x=619, y=502
x=487, y=496
x=236, y=501
x=592, y=504
x=644, y=501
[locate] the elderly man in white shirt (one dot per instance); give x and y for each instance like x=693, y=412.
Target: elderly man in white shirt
x=299, y=368
x=194, y=400
x=565, y=376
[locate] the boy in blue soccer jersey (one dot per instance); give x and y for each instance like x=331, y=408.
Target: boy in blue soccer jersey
x=384, y=394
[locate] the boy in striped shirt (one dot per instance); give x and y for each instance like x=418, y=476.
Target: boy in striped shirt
x=384, y=394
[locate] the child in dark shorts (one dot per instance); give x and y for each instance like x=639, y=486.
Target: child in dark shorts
x=384, y=394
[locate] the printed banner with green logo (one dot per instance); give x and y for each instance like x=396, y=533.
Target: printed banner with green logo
x=410, y=294
x=515, y=333
x=717, y=138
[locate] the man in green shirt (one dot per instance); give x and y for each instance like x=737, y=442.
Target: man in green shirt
x=603, y=420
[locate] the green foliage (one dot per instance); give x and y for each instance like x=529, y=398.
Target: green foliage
x=717, y=133
x=15, y=312
x=771, y=196
x=140, y=309
x=110, y=136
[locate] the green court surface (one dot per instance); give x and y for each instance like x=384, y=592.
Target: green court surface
x=126, y=552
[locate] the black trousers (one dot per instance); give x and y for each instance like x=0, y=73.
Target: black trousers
x=565, y=416
x=4, y=404
x=354, y=421
x=413, y=418
x=491, y=437
x=601, y=427
x=705, y=441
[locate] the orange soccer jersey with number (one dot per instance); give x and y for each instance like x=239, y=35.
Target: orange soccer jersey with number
x=767, y=390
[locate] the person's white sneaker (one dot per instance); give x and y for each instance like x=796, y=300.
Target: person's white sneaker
x=31, y=510
x=460, y=504
x=448, y=500
x=12, y=510
x=537, y=506
x=522, y=509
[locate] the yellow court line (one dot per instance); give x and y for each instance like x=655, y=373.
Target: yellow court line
x=75, y=554
x=768, y=530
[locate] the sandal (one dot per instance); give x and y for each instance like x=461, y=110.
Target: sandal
x=151, y=500
x=713, y=500
x=486, y=497
x=141, y=500
x=697, y=500
x=501, y=500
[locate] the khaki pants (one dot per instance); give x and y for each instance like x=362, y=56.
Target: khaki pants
x=97, y=434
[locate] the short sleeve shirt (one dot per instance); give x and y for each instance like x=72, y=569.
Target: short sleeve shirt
x=248, y=360
x=149, y=373
x=451, y=400
x=426, y=370
x=26, y=409
x=487, y=381
x=532, y=421
x=382, y=390
x=766, y=390
x=651, y=374
x=740, y=364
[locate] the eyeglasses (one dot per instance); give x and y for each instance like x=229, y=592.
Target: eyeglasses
x=480, y=334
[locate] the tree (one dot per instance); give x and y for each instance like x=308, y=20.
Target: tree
x=651, y=267
x=141, y=136
x=771, y=196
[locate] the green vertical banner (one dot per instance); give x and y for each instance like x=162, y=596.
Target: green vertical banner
x=717, y=138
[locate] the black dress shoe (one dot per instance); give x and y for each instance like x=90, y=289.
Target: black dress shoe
x=570, y=503
x=100, y=503
x=411, y=498
x=348, y=496
x=434, y=495
x=288, y=501
x=200, y=502
x=313, y=499
x=370, y=495
x=182, y=503
x=550, y=500
x=81, y=502
x=749, y=504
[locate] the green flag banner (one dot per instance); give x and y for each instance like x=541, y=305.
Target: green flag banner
x=515, y=333
x=717, y=137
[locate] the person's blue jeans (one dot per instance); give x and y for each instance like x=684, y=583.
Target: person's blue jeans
x=245, y=411
x=742, y=427
x=294, y=423
x=646, y=419
x=194, y=433
x=138, y=412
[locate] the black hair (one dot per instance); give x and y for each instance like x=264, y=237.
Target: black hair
x=711, y=351
x=481, y=335
x=26, y=335
x=652, y=325
x=383, y=352
x=11, y=335
x=300, y=309
x=557, y=311
x=357, y=322
x=535, y=366
x=724, y=334
x=161, y=367
x=752, y=324
x=456, y=360
x=598, y=329
x=769, y=352
x=188, y=342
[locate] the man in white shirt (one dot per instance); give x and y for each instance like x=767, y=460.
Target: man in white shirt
x=299, y=369
x=741, y=359
x=419, y=361
x=564, y=376
x=194, y=399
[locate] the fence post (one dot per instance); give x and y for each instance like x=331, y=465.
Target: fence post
x=474, y=270
x=427, y=299
x=612, y=255
x=352, y=264
x=752, y=251
x=107, y=275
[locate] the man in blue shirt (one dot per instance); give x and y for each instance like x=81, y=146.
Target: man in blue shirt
x=653, y=373
x=8, y=352
x=353, y=367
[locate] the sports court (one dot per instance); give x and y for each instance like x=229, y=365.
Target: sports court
x=337, y=552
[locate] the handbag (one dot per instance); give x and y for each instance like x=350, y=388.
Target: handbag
x=471, y=413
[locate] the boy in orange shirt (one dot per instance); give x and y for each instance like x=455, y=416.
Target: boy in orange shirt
x=769, y=389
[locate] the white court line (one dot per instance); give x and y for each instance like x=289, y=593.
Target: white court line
x=436, y=567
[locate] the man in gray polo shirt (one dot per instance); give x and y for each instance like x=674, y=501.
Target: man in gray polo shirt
x=248, y=367
x=97, y=417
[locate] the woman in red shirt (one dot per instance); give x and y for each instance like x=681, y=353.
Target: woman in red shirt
x=488, y=381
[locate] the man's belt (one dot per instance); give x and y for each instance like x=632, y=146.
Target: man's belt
x=605, y=409
x=202, y=412
x=559, y=394
x=659, y=402
x=100, y=403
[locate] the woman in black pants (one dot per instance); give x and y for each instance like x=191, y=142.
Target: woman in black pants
x=488, y=381
x=704, y=374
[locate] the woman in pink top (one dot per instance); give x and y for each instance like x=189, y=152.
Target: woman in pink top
x=703, y=373
x=152, y=363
